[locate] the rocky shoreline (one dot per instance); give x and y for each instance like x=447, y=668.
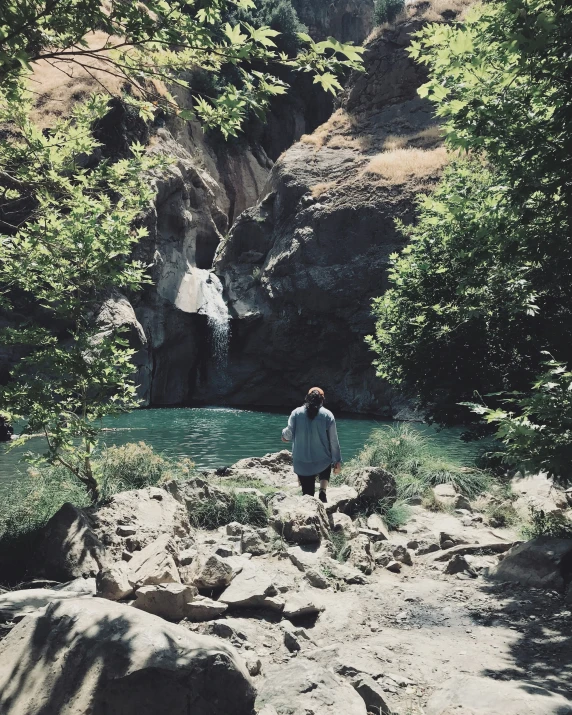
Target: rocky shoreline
x=322, y=610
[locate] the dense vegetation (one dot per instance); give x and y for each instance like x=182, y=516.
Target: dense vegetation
x=481, y=297
x=69, y=219
x=387, y=10
x=42, y=489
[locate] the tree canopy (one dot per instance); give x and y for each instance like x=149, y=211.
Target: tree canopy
x=484, y=287
x=155, y=41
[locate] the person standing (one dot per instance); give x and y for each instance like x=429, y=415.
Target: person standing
x=315, y=445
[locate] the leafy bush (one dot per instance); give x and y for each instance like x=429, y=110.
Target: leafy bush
x=387, y=10
x=280, y=15
x=244, y=508
x=547, y=524
x=483, y=285
x=537, y=431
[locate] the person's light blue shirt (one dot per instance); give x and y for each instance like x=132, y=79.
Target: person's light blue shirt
x=315, y=443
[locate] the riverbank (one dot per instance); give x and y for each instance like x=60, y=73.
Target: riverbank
x=214, y=437
x=321, y=608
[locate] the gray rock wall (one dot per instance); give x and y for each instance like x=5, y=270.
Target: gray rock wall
x=302, y=266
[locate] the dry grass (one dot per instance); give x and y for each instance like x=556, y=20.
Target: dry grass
x=400, y=165
x=429, y=10
x=425, y=139
x=439, y=10
x=322, y=188
x=339, y=123
x=58, y=85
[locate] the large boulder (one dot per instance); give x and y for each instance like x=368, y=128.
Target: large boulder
x=99, y=657
x=341, y=499
x=113, y=582
x=69, y=546
x=192, y=493
x=132, y=520
x=344, y=524
x=539, y=491
x=373, y=484
x=253, y=542
x=17, y=604
x=204, y=609
x=360, y=554
x=304, y=686
x=544, y=562
x=471, y=695
x=302, y=520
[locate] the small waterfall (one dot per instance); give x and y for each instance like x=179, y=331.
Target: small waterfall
x=211, y=304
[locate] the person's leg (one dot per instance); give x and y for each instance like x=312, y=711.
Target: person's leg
x=324, y=477
x=308, y=484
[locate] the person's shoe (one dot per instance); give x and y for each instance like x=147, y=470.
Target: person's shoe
x=322, y=496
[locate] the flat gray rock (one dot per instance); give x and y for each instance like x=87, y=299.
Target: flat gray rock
x=303, y=686
x=471, y=695
x=16, y=604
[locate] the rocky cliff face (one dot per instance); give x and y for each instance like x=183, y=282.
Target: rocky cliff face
x=346, y=20
x=210, y=184
x=310, y=239
x=301, y=266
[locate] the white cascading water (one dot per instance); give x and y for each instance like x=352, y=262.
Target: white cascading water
x=211, y=304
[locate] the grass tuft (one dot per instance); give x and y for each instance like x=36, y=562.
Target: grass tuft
x=396, y=514
x=135, y=466
x=416, y=465
x=341, y=547
x=401, y=165
x=244, y=508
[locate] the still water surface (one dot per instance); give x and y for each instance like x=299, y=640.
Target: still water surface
x=220, y=436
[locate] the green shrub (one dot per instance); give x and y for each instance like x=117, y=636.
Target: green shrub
x=544, y=523
x=244, y=508
x=535, y=429
x=396, y=514
x=30, y=501
x=136, y=465
x=387, y=10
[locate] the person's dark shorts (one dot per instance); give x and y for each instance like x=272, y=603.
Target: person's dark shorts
x=309, y=483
